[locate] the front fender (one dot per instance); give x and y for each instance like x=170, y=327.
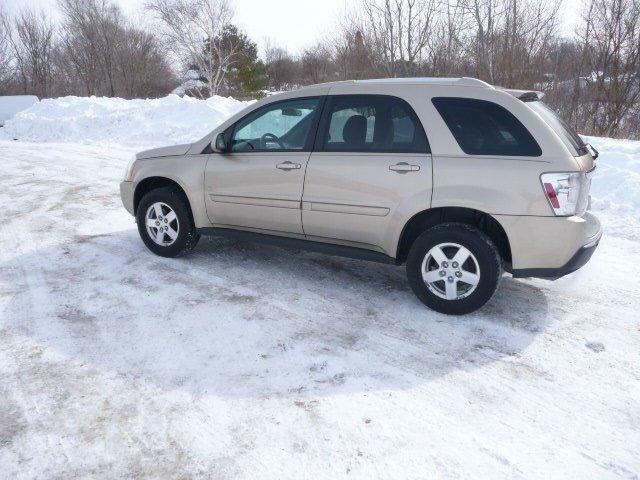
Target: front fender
x=186, y=171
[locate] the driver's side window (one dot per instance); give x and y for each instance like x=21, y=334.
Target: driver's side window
x=281, y=126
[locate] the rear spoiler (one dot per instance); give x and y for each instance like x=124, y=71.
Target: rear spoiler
x=592, y=150
x=525, y=95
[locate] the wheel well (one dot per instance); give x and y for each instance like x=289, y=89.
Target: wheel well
x=151, y=183
x=435, y=216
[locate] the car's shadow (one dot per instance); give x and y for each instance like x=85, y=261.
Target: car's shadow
x=241, y=319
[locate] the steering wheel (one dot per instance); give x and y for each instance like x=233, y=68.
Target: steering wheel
x=270, y=136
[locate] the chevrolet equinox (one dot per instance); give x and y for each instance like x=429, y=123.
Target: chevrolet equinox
x=455, y=178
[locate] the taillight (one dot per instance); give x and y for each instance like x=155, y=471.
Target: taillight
x=551, y=195
x=568, y=193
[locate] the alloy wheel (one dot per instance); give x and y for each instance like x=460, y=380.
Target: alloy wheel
x=162, y=224
x=450, y=271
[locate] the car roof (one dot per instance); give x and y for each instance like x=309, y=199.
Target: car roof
x=461, y=82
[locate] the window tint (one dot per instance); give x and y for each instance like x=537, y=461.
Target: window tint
x=279, y=126
x=372, y=123
x=485, y=128
x=571, y=139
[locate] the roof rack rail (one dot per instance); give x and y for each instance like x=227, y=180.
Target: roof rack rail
x=463, y=81
x=473, y=82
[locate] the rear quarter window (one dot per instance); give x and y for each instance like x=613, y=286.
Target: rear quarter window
x=568, y=135
x=486, y=128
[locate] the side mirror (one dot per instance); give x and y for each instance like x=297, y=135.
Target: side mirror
x=221, y=143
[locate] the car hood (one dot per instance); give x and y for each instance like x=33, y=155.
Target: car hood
x=171, y=151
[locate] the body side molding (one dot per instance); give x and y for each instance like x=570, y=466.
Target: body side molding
x=302, y=244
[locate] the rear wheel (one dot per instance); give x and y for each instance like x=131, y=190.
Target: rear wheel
x=165, y=222
x=453, y=268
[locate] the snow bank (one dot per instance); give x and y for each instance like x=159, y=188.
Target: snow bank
x=615, y=191
x=134, y=123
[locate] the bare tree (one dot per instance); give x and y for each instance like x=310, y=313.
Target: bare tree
x=141, y=67
x=91, y=33
x=31, y=42
x=101, y=54
x=610, y=36
x=281, y=68
x=193, y=32
x=446, y=55
x=400, y=32
x=510, y=39
x=529, y=30
x=5, y=56
x=353, y=56
x=317, y=64
x=483, y=14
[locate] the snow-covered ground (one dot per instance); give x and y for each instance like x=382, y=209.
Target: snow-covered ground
x=248, y=361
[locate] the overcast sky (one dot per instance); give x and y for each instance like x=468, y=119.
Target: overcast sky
x=293, y=24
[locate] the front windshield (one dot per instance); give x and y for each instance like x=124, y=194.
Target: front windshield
x=569, y=136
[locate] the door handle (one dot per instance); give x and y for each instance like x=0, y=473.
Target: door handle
x=288, y=166
x=404, y=167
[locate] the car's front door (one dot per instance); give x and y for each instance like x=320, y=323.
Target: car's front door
x=258, y=183
x=371, y=168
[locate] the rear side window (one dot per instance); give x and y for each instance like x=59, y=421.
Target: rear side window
x=486, y=128
x=568, y=135
x=372, y=123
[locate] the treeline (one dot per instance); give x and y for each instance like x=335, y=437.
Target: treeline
x=95, y=50
x=593, y=78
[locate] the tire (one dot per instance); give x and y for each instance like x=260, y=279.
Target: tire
x=172, y=200
x=461, y=297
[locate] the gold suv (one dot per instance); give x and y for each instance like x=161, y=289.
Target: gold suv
x=455, y=178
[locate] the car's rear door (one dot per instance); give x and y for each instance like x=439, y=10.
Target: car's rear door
x=371, y=167
x=257, y=185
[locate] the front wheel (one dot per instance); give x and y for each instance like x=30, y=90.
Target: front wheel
x=453, y=268
x=165, y=223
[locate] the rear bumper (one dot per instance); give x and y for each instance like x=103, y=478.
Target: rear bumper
x=550, y=247
x=126, y=194
x=579, y=259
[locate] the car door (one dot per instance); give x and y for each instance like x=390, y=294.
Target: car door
x=257, y=184
x=370, y=170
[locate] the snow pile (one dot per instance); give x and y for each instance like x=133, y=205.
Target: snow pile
x=615, y=190
x=134, y=123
